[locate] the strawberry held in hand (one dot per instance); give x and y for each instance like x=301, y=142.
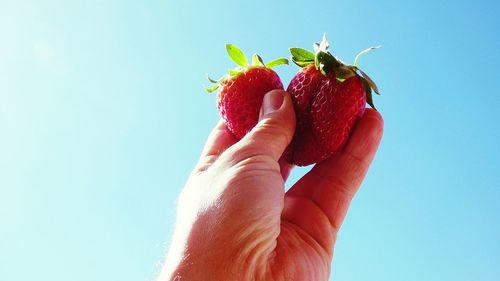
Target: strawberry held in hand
x=329, y=97
x=242, y=90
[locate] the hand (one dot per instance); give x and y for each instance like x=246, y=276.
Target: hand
x=236, y=222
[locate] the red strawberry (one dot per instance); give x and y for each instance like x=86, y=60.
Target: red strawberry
x=329, y=97
x=242, y=90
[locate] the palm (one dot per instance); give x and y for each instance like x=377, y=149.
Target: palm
x=303, y=246
x=296, y=246
x=240, y=223
x=299, y=255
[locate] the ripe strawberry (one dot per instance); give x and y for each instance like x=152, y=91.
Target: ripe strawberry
x=329, y=97
x=242, y=90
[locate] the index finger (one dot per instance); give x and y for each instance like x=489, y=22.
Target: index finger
x=218, y=141
x=331, y=184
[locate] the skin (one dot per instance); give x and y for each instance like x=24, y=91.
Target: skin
x=236, y=222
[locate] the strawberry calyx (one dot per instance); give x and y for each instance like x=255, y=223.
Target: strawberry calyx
x=325, y=62
x=238, y=57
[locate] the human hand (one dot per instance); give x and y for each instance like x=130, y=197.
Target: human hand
x=236, y=222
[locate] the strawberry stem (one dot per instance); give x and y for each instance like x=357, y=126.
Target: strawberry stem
x=325, y=62
x=237, y=56
x=362, y=53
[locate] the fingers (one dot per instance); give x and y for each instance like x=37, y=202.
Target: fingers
x=274, y=131
x=269, y=137
x=246, y=179
x=218, y=141
x=285, y=168
x=336, y=180
x=331, y=184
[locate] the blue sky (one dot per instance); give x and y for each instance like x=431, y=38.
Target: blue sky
x=103, y=114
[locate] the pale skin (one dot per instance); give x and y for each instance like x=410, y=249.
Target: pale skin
x=236, y=222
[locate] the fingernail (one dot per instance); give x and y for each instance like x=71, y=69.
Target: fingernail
x=272, y=102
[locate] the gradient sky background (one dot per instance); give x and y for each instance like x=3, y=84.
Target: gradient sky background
x=103, y=114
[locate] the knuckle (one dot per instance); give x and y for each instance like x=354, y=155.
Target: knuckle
x=275, y=131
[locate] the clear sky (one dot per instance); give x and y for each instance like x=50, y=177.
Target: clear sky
x=103, y=114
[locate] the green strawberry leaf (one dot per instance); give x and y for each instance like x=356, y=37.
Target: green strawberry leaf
x=212, y=80
x=212, y=89
x=318, y=61
x=299, y=54
x=257, y=60
x=236, y=55
x=362, y=53
x=276, y=62
x=234, y=72
x=325, y=62
x=343, y=72
x=369, y=81
x=303, y=63
x=302, y=57
x=368, y=92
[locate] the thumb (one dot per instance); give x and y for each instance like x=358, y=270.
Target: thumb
x=275, y=128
